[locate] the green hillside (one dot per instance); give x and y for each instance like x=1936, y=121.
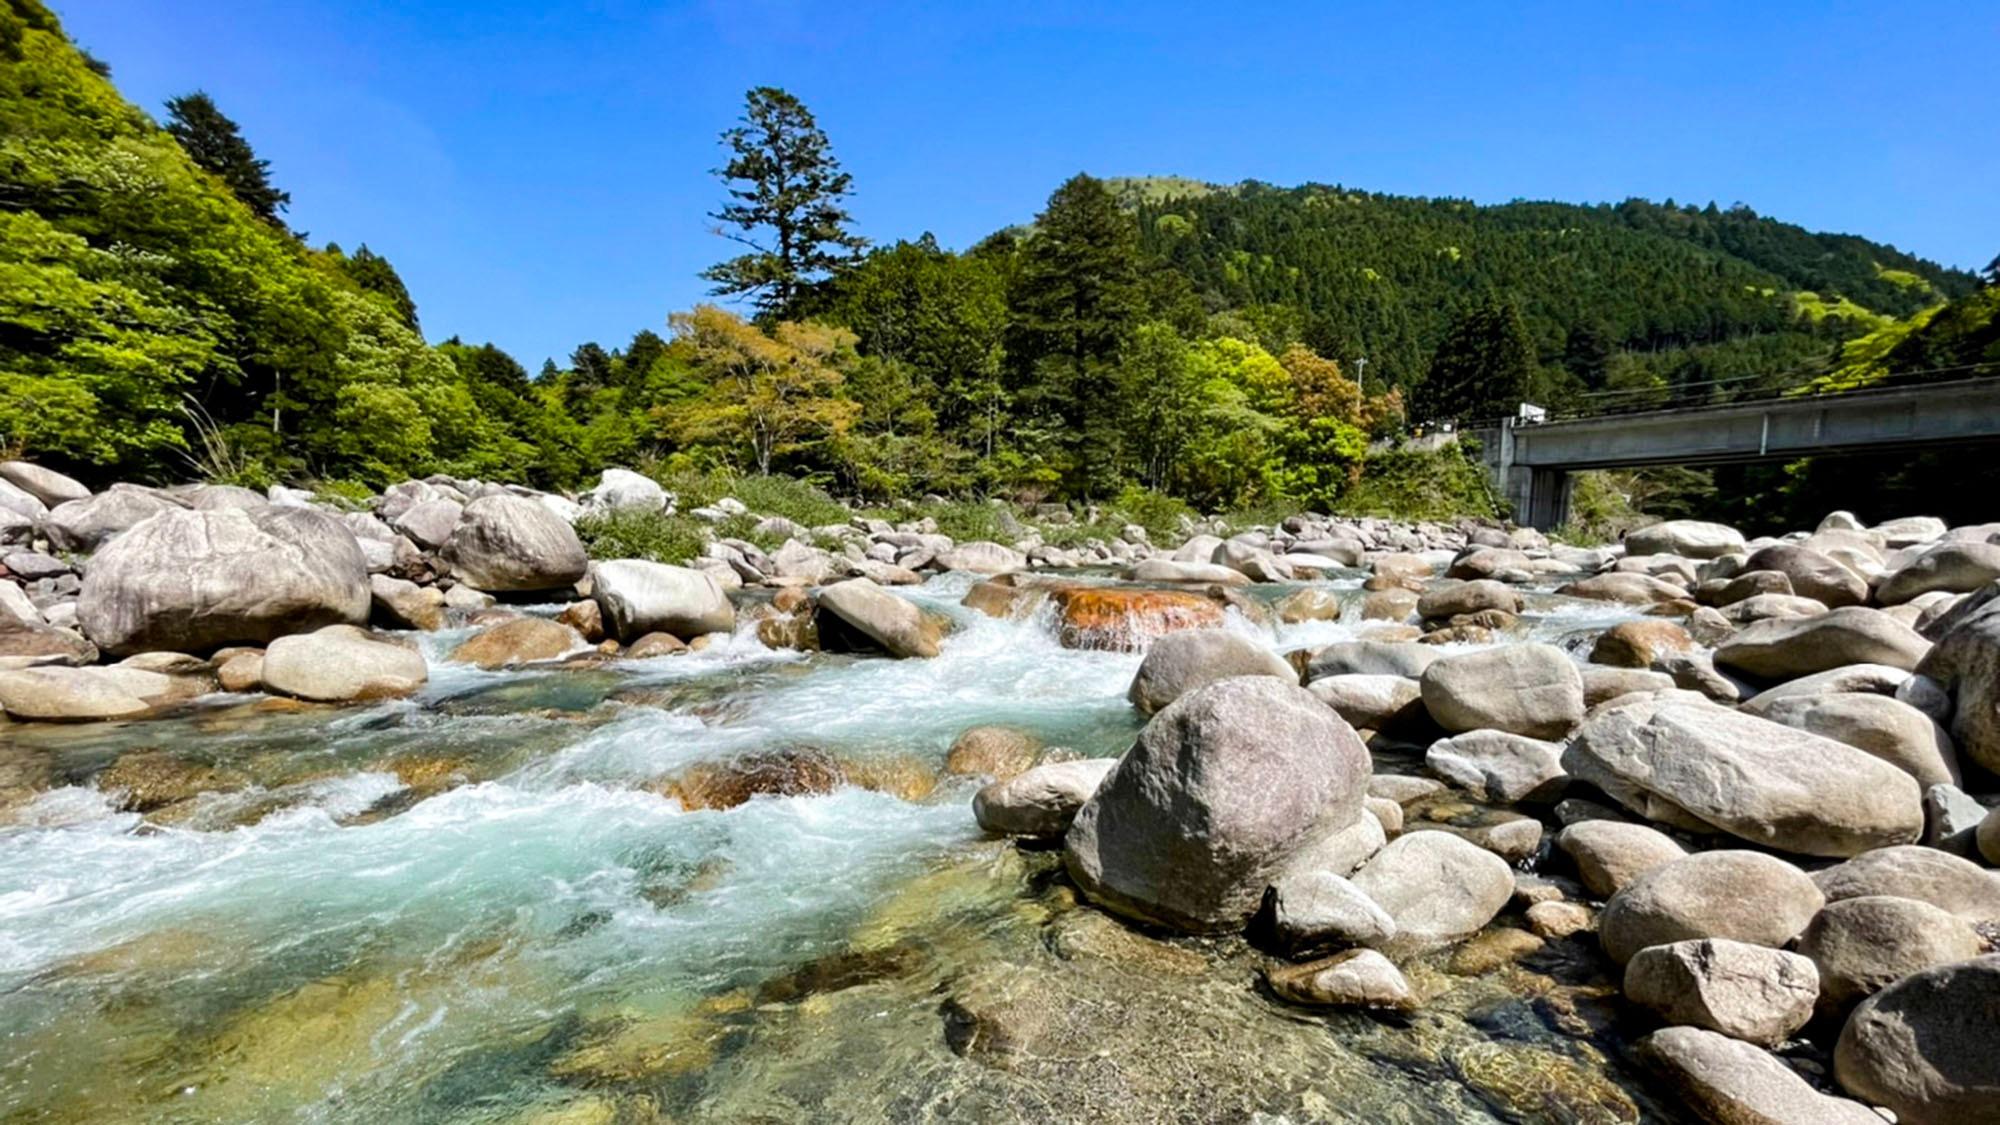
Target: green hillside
x=1383, y=276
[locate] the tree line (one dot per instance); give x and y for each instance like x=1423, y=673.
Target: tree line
x=1223, y=345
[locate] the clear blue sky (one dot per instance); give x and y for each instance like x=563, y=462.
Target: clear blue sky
x=541, y=178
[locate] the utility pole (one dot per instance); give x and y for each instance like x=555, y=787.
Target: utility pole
x=1361, y=372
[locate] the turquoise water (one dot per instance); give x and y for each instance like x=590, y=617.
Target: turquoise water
x=477, y=905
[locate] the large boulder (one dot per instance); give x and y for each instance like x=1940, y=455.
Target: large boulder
x=1174, y=570
x=1180, y=662
x=1887, y=728
x=1372, y=658
x=1740, y=895
x=429, y=524
x=85, y=525
x=406, y=605
x=1041, y=802
x=1750, y=992
x=1436, y=887
x=1453, y=598
x=858, y=615
x=1625, y=588
x=1217, y=793
x=1691, y=539
x=635, y=597
x=1529, y=689
x=1813, y=574
x=1966, y=662
x=980, y=557
x=46, y=485
x=1729, y=1082
x=1957, y=568
x=1931, y=875
x=622, y=490
x=1609, y=854
x=1923, y=1047
x=65, y=694
x=1699, y=766
x=504, y=543
x=187, y=581
x=1788, y=647
x=341, y=664
x=1863, y=945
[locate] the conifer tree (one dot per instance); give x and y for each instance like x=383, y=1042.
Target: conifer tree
x=786, y=191
x=1482, y=368
x=216, y=145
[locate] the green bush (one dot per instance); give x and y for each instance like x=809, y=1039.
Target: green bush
x=1422, y=485
x=643, y=535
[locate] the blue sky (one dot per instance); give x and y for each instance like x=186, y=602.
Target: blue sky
x=541, y=177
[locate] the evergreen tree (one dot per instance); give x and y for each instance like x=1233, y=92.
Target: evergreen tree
x=1483, y=367
x=1587, y=354
x=373, y=273
x=217, y=145
x=786, y=190
x=1991, y=275
x=1076, y=301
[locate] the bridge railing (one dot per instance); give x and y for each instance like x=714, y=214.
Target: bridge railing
x=1719, y=392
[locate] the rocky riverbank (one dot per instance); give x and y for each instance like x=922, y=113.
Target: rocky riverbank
x=1729, y=828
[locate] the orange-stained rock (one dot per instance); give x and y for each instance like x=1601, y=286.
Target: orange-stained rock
x=790, y=772
x=1122, y=619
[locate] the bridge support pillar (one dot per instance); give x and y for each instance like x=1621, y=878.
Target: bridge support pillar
x=1545, y=505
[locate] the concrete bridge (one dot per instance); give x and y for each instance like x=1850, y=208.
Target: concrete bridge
x=1531, y=462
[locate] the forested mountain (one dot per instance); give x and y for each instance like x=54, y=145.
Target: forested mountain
x=1221, y=345
x=1358, y=274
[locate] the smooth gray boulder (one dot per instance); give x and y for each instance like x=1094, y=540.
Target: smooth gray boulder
x=1497, y=766
x=1729, y=1082
x=636, y=597
x=1874, y=679
x=1786, y=648
x=429, y=524
x=980, y=557
x=1700, y=766
x=1220, y=790
x=857, y=616
x=1813, y=574
x=1042, y=801
x=1956, y=568
x=64, y=694
x=504, y=543
x=1609, y=854
x=1318, y=910
x=342, y=664
x=85, y=525
x=1625, y=588
x=1740, y=895
x=1528, y=689
x=622, y=490
x=1863, y=945
x=1946, y=881
x=1174, y=570
x=1748, y=992
x=1436, y=887
x=1966, y=663
x=1179, y=662
x=1693, y=539
x=187, y=581
x=1372, y=658
x=1923, y=1047
x=1372, y=702
x=406, y=605
x=46, y=485
x=1884, y=727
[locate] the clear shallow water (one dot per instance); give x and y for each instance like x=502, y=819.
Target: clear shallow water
x=476, y=905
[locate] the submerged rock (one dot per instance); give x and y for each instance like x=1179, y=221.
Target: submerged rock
x=993, y=751
x=1358, y=978
x=1219, y=791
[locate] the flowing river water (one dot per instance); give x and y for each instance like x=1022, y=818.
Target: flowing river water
x=477, y=905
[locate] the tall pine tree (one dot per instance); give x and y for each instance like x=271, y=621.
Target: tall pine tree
x=786, y=192
x=217, y=145
x=1076, y=301
x=1482, y=368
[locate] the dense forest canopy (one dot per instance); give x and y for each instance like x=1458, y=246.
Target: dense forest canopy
x=1225, y=345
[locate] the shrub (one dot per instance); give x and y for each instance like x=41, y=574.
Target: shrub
x=1422, y=485
x=643, y=535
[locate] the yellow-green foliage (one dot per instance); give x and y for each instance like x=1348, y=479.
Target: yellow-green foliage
x=1813, y=308
x=1864, y=359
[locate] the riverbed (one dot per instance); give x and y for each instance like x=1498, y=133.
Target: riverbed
x=482, y=904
